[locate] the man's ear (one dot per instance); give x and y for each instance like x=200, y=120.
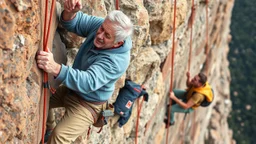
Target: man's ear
x=118, y=44
x=202, y=85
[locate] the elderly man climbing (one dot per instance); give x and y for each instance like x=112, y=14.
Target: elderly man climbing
x=101, y=60
x=186, y=101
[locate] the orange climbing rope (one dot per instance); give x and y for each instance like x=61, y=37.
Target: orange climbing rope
x=207, y=38
x=192, y=17
x=45, y=42
x=190, y=25
x=189, y=63
x=206, y=53
x=153, y=116
x=194, y=127
x=117, y=5
x=207, y=60
x=162, y=101
x=172, y=73
x=139, y=107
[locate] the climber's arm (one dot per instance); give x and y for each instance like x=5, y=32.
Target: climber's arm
x=184, y=105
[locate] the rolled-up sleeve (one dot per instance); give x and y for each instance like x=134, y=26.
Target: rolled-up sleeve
x=197, y=98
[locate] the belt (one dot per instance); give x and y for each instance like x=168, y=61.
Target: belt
x=87, y=106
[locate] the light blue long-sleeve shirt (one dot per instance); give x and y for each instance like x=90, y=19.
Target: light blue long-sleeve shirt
x=94, y=71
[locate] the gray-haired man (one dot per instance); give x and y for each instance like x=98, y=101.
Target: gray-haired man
x=102, y=59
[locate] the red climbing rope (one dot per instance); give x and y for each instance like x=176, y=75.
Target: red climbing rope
x=207, y=38
x=45, y=42
x=172, y=73
x=191, y=21
x=206, y=63
x=194, y=127
x=139, y=107
x=171, y=85
x=153, y=116
x=117, y=5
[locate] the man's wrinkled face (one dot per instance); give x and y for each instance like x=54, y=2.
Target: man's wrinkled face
x=105, y=36
x=196, y=81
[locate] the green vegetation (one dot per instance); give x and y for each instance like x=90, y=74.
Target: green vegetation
x=242, y=57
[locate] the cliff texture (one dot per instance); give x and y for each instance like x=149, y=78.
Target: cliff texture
x=21, y=90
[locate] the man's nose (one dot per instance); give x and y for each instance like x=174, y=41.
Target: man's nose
x=101, y=35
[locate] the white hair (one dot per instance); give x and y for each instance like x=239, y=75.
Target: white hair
x=123, y=26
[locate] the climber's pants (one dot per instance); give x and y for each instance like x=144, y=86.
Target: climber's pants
x=180, y=94
x=75, y=121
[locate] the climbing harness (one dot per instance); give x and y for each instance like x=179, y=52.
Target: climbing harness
x=98, y=120
x=45, y=75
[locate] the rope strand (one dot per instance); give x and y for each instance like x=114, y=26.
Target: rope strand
x=45, y=75
x=191, y=22
x=172, y=70
x=139, y=107
x=117, y=5
x=191, y=33
x=207, y=38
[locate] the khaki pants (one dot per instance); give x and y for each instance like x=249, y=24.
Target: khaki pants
x=75, y=121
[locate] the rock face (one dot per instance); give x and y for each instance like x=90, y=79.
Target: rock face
x=21, y=90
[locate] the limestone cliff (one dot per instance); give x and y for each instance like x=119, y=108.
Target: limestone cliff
x=21, y=92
